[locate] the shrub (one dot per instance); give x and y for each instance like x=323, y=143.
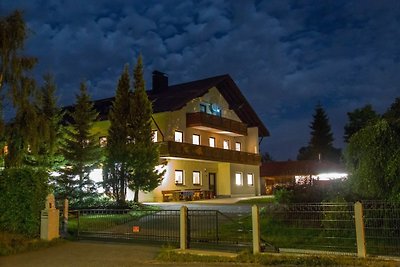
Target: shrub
x=23, y=194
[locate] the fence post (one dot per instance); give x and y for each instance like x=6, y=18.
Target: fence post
x=183, y=227
x=360, y=230
x=65, y=217
x=255, y=217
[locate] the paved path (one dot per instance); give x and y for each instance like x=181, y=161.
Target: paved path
x=97, y=254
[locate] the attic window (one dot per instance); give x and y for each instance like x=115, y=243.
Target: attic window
x=213, y=109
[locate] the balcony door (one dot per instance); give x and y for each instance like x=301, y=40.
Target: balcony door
x=212, y=182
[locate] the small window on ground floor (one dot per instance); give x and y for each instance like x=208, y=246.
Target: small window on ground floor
x=179, y=177
x=250, y=179
x=238, y=146
x=238, y=178
x=196, y=178
x=226, y=144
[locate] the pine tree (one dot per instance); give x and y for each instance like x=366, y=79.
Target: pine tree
x=392, y=115
x=145, y=156
x=81, y=151
x=49, y=127
x=115, y=172
x=320, y=146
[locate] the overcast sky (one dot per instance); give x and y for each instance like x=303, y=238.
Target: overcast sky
x=285, y=56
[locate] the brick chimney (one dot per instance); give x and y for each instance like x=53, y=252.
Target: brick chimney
x=160, y=81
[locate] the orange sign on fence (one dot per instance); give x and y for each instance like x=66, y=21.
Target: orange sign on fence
x=135, y=229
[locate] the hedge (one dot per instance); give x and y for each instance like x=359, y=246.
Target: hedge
x=22, y=196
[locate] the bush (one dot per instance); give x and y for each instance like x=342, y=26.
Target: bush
x=283, y=196
x=23, y=195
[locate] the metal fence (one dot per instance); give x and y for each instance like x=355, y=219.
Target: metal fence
x=327, y=228
x=382, y=228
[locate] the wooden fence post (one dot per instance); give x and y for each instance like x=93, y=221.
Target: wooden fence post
x=255, y=218
x=65, y=216
x=183, y=227
x=360, y=230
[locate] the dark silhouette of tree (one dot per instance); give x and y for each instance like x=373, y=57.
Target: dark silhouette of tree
x=320, y=146
x=116, y=169
x=266, y=157
x=81, y=151
x=145, y=154
x=392, y=115
x=358, y=119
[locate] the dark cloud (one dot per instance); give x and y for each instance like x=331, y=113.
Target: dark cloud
x=285, y=55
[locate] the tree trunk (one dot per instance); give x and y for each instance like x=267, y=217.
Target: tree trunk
x=136, y=197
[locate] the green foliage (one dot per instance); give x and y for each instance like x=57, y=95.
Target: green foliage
x=23, y=194
x=81, y=151
x=392, y=115
x=115, y=171
x=321, y=142
x=373, y=161
x=145, y=155
x=358, y=119
x=283, y=196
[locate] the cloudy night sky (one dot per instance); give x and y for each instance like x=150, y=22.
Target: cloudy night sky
x=285, y=56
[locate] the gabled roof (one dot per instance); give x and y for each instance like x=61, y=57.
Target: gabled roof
x=301, y=167
x=175, y=97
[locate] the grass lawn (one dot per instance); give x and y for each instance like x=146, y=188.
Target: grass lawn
x=16, y=243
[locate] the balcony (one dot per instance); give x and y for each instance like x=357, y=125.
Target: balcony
x=190, y=151
x=216, y=124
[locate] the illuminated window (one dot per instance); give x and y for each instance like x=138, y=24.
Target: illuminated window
x=196, y=178
x=203, y=108
x=226, y=144
x=179, y=177
x=178, y=136
x=211, y=141
x=250, y=179
x=238, y=178
x=238, y=146
x=103, y=141
x=196, y=139
x=154, y=137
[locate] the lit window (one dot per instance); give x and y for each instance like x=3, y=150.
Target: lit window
x=178, y=177
x=178, y=136
x=238, y=146
x=250, y=179
x=203, y=108
x=196, y=139
x=154, y=137
x=103, y=141
x=211, y=140
x=238, y=178
x=196, y=178
x=226, y=144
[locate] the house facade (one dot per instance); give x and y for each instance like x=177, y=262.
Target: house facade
x=208, y=136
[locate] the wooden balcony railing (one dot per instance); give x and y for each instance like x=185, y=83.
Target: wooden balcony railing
x=211, y=121
x=185, y=150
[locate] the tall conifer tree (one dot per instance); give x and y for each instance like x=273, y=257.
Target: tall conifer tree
x=145, y=156
x=81, y=150
x=320, y=146
x=115, y=171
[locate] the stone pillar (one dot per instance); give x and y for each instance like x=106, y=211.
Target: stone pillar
x=360, y=230
x=183, y=227
x=49, y=224
x=255, y=217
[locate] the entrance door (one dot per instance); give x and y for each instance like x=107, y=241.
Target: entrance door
x=212, y=181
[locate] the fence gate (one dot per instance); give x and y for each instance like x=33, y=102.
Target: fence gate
x=117, y=224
